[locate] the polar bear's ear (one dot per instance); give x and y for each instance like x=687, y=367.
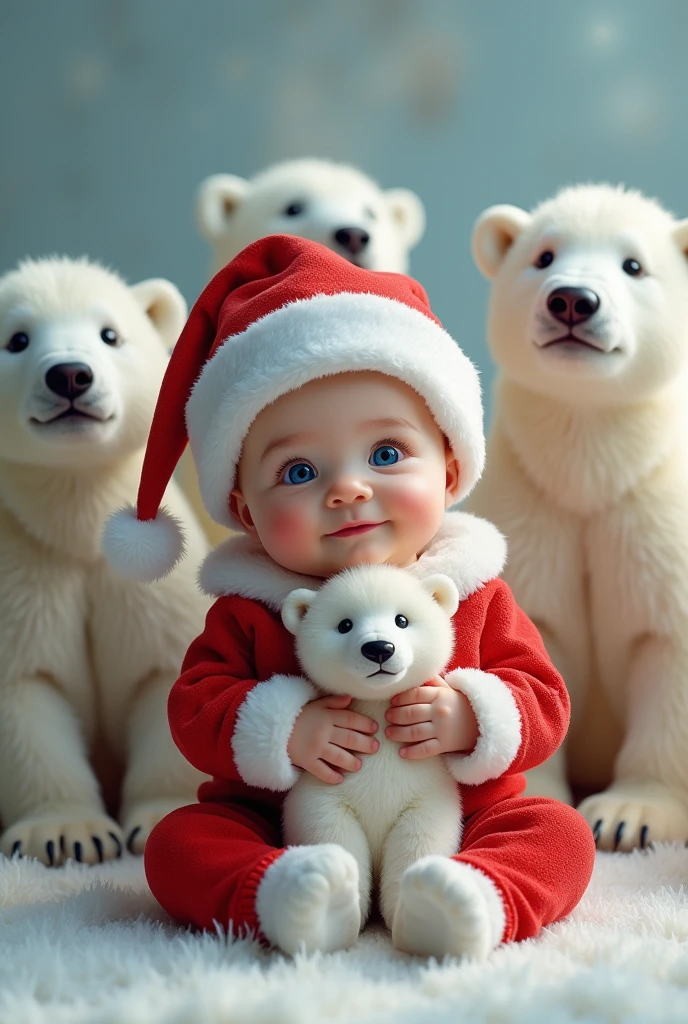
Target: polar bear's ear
x=295, y=607
x=217, y=199
x=494, y=233
x=443, y=590
x=164, y=305
x=408, y=213
x=680, y=236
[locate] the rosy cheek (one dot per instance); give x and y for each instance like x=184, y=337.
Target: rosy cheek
x=419, y=500
x=287, y=525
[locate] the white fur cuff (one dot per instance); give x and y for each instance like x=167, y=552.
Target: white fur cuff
x=499, y=725
x=264, y=724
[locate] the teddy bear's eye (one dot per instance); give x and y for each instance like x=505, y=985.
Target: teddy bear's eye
x=109, y=336
x=401, y=621
x=632, y=268
x=18, y=342
x=345, y=626
x=544, y=259
x=294, y=209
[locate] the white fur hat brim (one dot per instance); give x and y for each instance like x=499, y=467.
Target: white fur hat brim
x=312, y=338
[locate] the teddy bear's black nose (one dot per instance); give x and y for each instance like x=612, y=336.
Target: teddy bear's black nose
x=377, y=650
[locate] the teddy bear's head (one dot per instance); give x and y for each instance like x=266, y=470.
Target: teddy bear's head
x=373, y=631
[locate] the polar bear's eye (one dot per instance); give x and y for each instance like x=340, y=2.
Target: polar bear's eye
x=632, y=268
x=18, y=342
x=401, y=621
x=109, y=336
x=544, y=259
x=370, y=213
x=294, y=209
x=345, y=626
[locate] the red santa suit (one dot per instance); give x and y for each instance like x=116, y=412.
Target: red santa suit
x=232, y=711
x=286, y=311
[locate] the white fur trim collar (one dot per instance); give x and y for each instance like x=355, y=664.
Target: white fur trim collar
x=469, y=550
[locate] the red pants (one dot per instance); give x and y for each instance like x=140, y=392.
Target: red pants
x=204, y=862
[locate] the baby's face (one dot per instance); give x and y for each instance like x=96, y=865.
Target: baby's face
x=347, y=469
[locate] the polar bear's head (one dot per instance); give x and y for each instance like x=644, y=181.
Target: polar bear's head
x=373, y=631
x=589, y=298
x=330, y=203
x=82, y=356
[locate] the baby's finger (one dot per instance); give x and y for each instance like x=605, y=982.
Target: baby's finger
x=352, y=720
x=325, y=773
x=349, y=739
x=420, y=750
x=335, y=755
x=417, y=695
x=410, y=733
x=409, y=714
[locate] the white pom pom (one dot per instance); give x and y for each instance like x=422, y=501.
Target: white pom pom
x=142, y=550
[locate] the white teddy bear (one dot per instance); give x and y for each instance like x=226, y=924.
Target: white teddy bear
x=372, y=632
x=327, y=202
x=88, y=658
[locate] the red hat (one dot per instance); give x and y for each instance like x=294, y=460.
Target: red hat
x=284, y=311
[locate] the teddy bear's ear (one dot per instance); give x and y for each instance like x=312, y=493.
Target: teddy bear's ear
x=408, y=213
x=295, y=607
x=164, y=305
x=443, y=590
x=494, y=233
x=680, y=236
x=217, y=199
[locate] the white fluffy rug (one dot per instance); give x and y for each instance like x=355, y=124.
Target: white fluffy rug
x=90, y=944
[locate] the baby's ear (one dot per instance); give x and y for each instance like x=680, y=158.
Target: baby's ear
x=443, y=590
x=295, y=607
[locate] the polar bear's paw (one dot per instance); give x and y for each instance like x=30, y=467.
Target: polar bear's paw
x=630, y=815
x=69, y=833
x=447, y=908
x=140, y=820
x=308, y=900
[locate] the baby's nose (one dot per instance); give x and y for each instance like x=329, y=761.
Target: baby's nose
x=377, y=650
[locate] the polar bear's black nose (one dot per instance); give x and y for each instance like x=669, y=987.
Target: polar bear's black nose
x=573, y=305
x=377, y=650
x=354, y=240
x=69, y=380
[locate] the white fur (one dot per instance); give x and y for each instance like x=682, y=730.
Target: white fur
x=393, y=811
x=88, y=659
x=143, y=550
x=311, y=338
x=262, y=730
x=307, y=900
x=588, y=477
x=499, y=726
x=231, y=211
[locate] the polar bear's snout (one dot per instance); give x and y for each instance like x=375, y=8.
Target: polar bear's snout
x=69, y=380
x=572, y=306
x=377, y=650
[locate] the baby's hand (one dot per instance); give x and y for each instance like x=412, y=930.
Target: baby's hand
x=324, y=735
x=432, y=719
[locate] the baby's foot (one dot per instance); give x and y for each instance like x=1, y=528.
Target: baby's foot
x=308, y=899
x=447, y=908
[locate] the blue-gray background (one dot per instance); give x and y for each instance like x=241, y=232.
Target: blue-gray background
x=114, y=110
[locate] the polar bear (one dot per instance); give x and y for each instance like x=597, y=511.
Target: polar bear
x=327, y=202
x=372, y=632
x=88, y=659
x=587, y=475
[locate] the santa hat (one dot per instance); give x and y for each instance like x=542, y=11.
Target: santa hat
x=285, y=311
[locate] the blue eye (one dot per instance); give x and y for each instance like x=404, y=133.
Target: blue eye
x=385, y=455
x=299, y=473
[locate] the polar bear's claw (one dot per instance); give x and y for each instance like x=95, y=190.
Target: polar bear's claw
x=630, y=815
x=53, y=838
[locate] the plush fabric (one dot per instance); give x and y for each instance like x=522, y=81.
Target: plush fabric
x=91, y=946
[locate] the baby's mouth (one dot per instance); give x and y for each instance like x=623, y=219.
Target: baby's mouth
x=353, y=529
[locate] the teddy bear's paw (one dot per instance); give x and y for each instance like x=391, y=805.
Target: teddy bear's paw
x=79, y=834
x=140, y=820
x=630, y=815
x=447, y=908
x=308, y=900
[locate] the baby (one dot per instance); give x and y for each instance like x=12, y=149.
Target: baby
x=334, y=421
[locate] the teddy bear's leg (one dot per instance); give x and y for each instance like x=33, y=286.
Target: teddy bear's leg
x=50, y=801
x=158, y=779
x=648, y=800
x=432, y=827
